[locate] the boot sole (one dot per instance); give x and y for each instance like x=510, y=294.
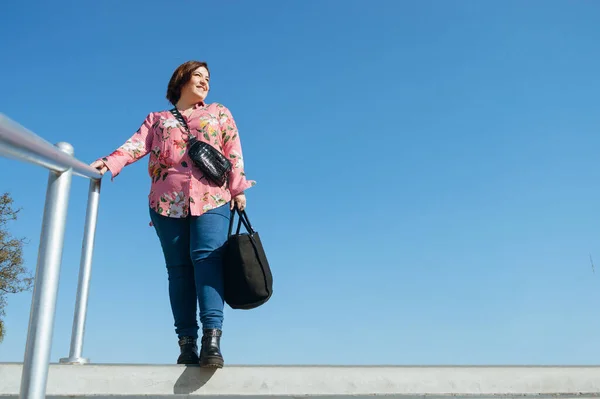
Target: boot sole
x=188, y=362
x=189, y=359
x=212, y=362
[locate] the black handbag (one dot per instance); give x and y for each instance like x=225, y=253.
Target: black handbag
x=207, y=158
x=246, y=271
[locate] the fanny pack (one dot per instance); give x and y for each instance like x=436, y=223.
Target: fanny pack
x=207, y=158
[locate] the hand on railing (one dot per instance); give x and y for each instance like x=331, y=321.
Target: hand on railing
x=100, y=166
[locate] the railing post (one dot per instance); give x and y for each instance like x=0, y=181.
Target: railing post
x=85, y=275
x=43, y=304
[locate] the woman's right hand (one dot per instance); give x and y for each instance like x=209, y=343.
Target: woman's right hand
x=100, y=166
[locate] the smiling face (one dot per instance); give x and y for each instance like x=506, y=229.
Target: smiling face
x=189, y=84
x=197, y=88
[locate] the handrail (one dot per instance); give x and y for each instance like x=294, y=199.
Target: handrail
x=16, y=142
x=20, y=143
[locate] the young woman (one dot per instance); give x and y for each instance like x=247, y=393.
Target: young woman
x=189, y=212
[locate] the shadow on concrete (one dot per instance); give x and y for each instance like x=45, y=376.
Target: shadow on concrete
x=192, y=379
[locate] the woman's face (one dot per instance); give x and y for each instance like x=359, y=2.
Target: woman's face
x=197, y=88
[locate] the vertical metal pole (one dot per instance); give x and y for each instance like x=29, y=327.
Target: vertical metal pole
x=85, y=275
x=43, y=304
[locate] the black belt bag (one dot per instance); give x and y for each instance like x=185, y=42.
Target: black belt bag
x=213, y=164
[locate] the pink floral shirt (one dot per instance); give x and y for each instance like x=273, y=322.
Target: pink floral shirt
x=178, y=187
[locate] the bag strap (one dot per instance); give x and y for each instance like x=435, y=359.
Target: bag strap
x=242, y=218
x=181, y=120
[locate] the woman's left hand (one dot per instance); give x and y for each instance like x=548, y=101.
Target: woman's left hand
x=239, y=201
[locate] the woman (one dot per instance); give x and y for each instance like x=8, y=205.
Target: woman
x=189, y=212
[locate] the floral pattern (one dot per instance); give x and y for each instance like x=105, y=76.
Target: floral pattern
x=179, y=188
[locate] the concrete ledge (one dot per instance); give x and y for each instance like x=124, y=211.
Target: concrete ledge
x=157, y=381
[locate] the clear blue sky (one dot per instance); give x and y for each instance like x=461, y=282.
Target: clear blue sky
x=427, y=173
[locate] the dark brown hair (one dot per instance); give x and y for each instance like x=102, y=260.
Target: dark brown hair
x=180, y=77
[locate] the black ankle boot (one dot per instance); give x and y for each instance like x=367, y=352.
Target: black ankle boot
x=189, y=351
x=210, y=352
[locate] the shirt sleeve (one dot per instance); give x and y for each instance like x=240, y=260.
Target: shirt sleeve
x=232, y=149
x=135, y=148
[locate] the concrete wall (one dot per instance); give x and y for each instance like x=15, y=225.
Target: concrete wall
x=157, y=381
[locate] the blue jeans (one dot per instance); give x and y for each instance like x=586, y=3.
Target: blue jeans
x=193, y=248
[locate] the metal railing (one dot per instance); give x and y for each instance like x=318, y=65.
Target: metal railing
x=18, y=143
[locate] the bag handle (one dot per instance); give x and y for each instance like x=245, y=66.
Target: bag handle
x=242, y=218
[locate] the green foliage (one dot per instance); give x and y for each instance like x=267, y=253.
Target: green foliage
x=14, y=278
